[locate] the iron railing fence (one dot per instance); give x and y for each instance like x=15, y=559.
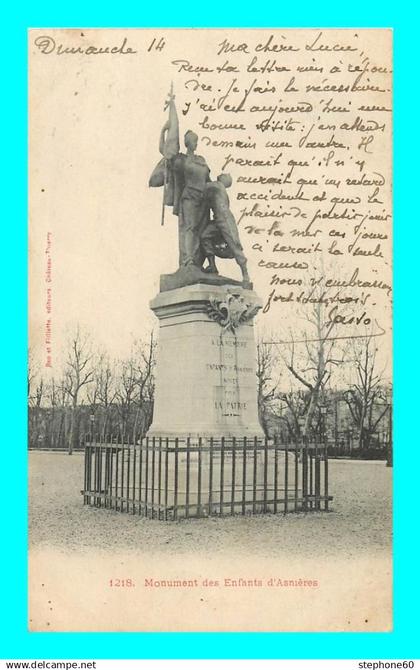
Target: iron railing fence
x=170, y=479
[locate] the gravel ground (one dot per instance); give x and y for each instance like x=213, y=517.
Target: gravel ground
x=360, y=522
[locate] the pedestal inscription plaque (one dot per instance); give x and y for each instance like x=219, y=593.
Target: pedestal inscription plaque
x=206, y=381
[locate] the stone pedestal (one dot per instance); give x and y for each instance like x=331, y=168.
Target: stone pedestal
x=206, y=382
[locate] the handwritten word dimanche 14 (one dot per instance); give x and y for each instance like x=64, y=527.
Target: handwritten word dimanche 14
x=47, y=45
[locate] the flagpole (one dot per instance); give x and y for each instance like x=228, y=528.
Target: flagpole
x=167, y=105
x=162, y=221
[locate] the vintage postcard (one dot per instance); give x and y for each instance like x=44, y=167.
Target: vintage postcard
x=210, y=365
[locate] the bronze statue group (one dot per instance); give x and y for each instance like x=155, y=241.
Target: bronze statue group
x=207, y=227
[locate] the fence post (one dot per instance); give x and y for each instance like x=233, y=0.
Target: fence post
x=297, y=475
x=160, y=479
x=166, y=477
x=325, y=479
x=200, y=442
x=254, y=478
x=86, y=486
x=134, y=476
x=176, y=479
x=221, y=479
x=286, y=477
x=106, y=485
x=317, y=478
x=95, y=475
x=128, y=473
x=99, y=473
x=142, y=445
x=311, y=473
x=187, y=482
x=117, y=470
x=146, y=480
x=244, y=476
x=232, y=494
x=304, y=474
x=211, y=477
x=265, y=474
x=122, y=473
x=153, y=475
x=111, y=473
x=276, y=474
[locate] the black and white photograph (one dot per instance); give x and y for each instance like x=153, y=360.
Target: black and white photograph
x=210, y=330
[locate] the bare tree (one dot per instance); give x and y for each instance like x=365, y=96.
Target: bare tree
x=268, y=383
x=93, y=380
x=105, y=391
x=366, y=397
x=60, y=401
x=135, y=392
x=36, y=401
x=310, y=353
x=32, y=373
x=294, y=411
x=146, y=361
x=53, y=395
x=126, y=393
x=77, y=374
